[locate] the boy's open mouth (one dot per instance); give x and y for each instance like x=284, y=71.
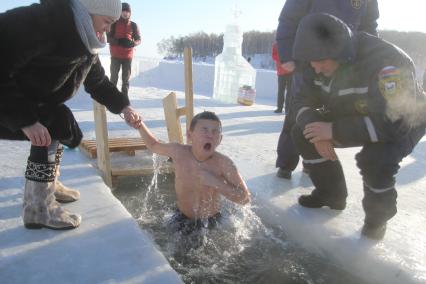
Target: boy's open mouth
x=207, y=146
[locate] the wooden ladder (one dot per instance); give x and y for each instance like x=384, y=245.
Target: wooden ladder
x=101, y=147
x=172, y=112
x=128, y=145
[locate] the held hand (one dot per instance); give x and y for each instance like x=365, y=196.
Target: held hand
x=318, y=131
x=326, y=150
x=38, y=134
x=289, y=66
x=131, y=117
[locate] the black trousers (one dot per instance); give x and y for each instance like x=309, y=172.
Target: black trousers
x=284, y=83
x=126, y=70
x=287, y=153
x=378, y=164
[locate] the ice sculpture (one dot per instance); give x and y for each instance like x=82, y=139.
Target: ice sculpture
x=232, y=71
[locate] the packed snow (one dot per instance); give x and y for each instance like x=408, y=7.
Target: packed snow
x=109, y=247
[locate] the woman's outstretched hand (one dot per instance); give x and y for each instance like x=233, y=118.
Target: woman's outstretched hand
x=38, y=134
x=131, y=117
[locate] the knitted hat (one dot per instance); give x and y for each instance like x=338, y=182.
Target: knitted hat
x=110, y=8
x=125, y=7
x=322, y=36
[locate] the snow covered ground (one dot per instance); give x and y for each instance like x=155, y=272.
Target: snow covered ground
x=109, y=247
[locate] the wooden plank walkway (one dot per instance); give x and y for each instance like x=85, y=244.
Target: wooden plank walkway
x=128, y=145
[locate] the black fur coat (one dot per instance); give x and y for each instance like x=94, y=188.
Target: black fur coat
x=43, y=64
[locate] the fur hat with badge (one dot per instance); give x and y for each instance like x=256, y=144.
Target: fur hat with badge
x=323, y=36
x=110, y=8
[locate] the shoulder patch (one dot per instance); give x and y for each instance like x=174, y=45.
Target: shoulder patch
x=390, y=79
x=356, y=4
x=361, y=106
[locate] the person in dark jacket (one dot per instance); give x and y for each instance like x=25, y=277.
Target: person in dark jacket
x=358, y=91
x=284, y=82
x=123, y=37
x=39, y=73
x=360, y=15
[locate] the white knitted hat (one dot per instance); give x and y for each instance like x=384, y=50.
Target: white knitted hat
x=111, y=8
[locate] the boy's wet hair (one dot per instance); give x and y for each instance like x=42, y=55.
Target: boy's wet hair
x=204, y=115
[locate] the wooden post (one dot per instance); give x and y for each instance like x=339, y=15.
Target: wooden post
x=172, y=113
x=104, y=160
x=189, y=90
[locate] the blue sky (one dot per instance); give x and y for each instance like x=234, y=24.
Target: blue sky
x=163, y=18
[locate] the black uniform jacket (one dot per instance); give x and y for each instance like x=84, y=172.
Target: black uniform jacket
x=360, y=97
x=359, y=15
x=44, y=62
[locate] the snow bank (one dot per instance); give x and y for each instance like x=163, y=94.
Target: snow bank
x=169, y=75
x=109, y=247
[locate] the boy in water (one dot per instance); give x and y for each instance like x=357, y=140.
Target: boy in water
x=202, y=175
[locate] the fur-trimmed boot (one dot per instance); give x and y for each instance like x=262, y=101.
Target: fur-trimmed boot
x=40, y=207
x=63, y=193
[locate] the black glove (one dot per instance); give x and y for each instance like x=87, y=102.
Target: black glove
x=125, y=42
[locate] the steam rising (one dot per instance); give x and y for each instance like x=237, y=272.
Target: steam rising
x=410, y=107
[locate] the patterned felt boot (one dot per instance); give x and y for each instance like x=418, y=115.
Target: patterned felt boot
x=63, y=193
x=40, y=207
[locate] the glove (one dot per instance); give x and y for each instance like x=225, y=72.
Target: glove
x=125, y=42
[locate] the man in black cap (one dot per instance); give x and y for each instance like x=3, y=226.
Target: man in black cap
x=123, y=37
x=360, y=91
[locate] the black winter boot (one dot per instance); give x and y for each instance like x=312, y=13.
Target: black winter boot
x=375, y=232
x=379, y=206
x=282, y=173
x=314, y=200
x=330, y=186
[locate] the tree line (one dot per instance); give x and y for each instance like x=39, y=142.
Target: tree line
x=254, y=42
x=210, y=45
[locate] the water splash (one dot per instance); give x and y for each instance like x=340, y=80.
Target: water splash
x=241, y=249
x=153, y=196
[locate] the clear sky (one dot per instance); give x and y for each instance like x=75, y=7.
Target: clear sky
x=160, y=19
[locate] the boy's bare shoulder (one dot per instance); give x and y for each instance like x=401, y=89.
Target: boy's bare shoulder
x=173, y=148
x=222, y=158
x=182, y=149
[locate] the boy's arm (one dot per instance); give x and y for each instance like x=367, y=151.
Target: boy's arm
x=231, y=185
x=153, y=144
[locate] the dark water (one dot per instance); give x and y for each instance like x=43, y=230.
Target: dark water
x=240, y=250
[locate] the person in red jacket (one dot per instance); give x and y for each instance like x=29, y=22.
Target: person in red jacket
x=284, y=81
x=123, y=37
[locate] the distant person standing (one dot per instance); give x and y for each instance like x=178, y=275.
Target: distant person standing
x=123, y=37
x=284, y=82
